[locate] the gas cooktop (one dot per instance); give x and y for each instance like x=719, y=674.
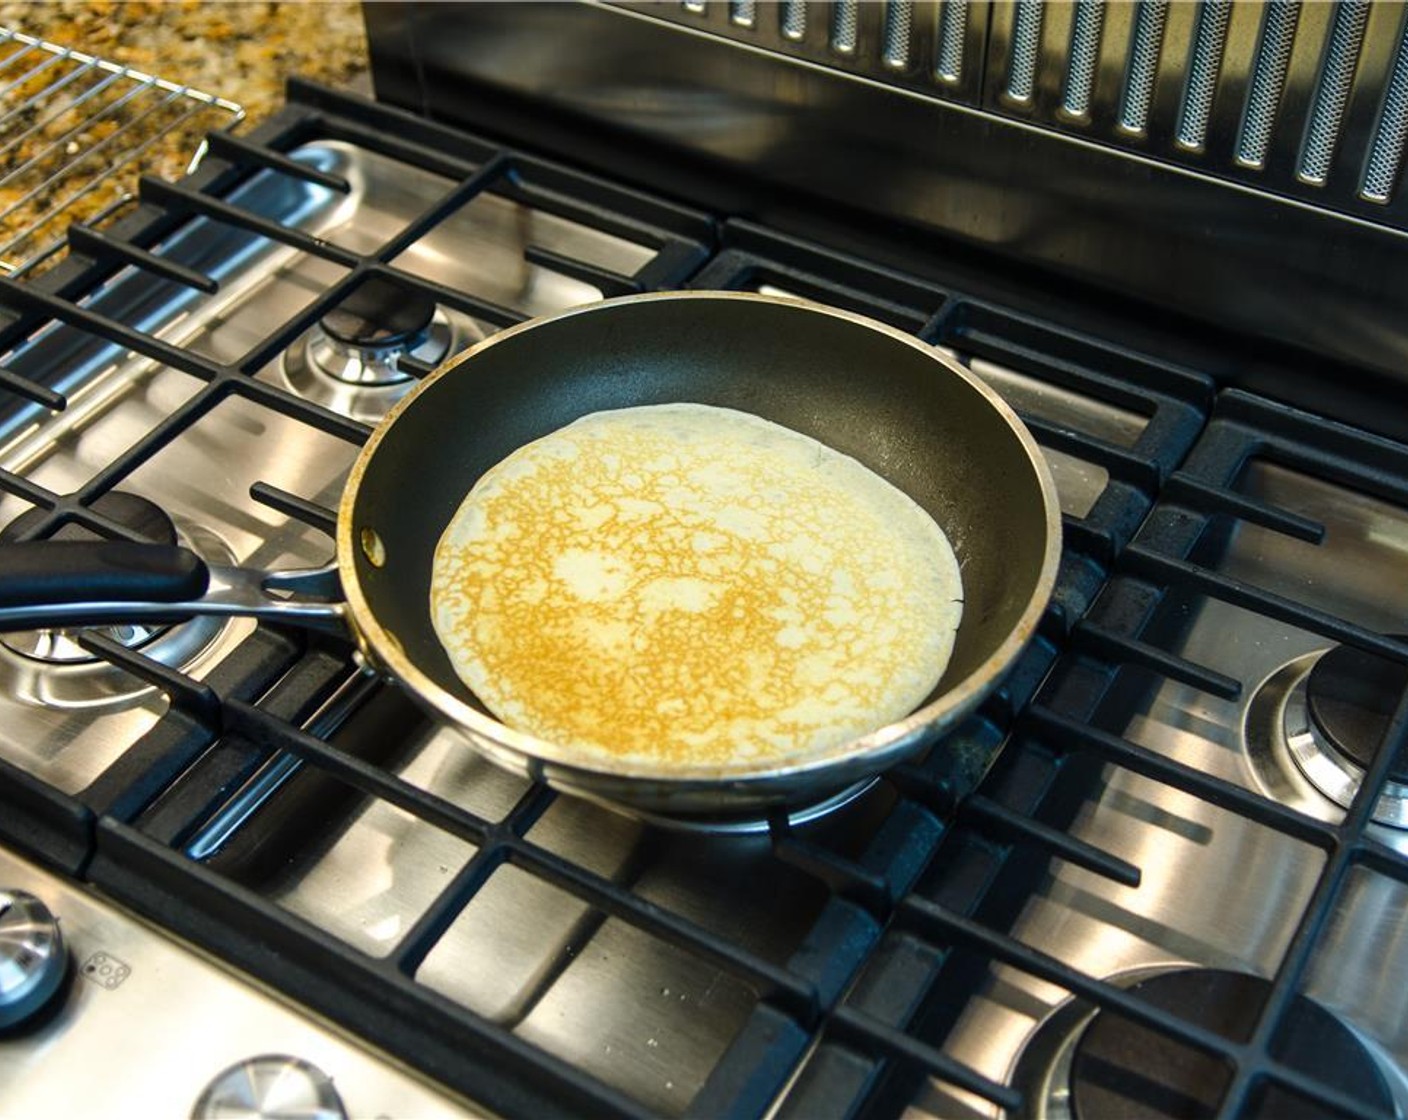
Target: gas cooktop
x=1162, y=871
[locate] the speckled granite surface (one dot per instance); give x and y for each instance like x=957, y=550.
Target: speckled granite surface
x=52, y=148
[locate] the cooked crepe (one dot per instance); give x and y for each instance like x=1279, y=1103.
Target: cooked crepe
x=693, y=585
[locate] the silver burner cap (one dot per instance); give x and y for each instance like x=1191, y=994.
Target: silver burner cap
x=1337, y=777
x=61, y=646
x=49, y=669
x=360, y=381
x=1294, y=763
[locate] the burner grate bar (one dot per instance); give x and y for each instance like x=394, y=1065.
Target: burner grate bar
x=425, y=933
x=855, y=1027
x=388, y=143
x=1252, y=1062
x=498, y=167
x=989, y=815
x=32, y=390
x=606, y=281
x=65, y=509
x=28, y=297
x=277, y=399
x=416, y=944
x=939, y=923
x=1080, y=736
x=1382, y=859
x=774, y=984
x=177, y=196
x=195, y=698
x=178, y=420
x=1143, y=560
x=56, y=828
x=1078, y=361
x=1115, y=647
x=238, y=149
x=777, y=984
x=300, y=509
x=98, y=245
x=1123, y=465
x=269, y=731
x=1316, y=917
x=222, y=380
x=1182, y=487
x=445, y=1040
x=31, y=492
x=452, y=297
x=845, y=878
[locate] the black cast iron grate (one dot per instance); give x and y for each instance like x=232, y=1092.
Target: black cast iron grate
x=126, y=832
x=1058, y=749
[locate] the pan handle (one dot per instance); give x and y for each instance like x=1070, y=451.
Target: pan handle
x=87, y=583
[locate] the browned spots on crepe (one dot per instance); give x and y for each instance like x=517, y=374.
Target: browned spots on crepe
x=683, y=583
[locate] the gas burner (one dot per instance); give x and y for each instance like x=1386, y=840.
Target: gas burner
x=60, y=646
x=1313, y=726
x=350, y=361
x=50, y=668
x=1083, y=1063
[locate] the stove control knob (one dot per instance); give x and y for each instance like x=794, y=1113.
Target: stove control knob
x=33, y=957
x=270, y=1086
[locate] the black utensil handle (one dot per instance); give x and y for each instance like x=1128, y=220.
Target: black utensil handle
x=54, y=572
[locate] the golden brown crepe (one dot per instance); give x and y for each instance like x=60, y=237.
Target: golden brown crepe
x=685, y=583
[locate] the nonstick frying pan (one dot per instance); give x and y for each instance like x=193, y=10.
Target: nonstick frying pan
x=894, y=403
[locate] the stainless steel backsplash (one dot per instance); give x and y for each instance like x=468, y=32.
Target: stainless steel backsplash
x=1235, y=162
x=1307, y=99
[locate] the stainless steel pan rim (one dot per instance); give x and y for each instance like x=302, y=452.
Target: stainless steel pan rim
x=770, y=779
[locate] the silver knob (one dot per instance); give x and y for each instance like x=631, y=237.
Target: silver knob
x=33, y=958
x=270, y=1087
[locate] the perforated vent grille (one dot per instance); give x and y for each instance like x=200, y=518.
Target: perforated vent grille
x=1273, y=58
x=794, y=19
x=953, y=29
x=1086, y=28
x=1332, y=94
x=1149, y=23
x=843, y=25
x=899, y=19
x=1026, y=48
x=1305, y=98
x=1386, y=156
x=1208, y=44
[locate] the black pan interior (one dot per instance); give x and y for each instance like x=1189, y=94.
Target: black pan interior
x=893, y=407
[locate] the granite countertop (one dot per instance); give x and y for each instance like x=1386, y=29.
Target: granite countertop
x=239, y=52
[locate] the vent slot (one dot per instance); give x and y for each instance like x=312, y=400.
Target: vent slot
x=794, y=18
x=1332, y=92
x=844, y=18
x=1086, y=29
x=899, y=22
x=1273, y=58
x=1387, y=152
x=1026, y=45
x=1145, y=45
x=1208, y=43
x=743, y=12
x=953, y=31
